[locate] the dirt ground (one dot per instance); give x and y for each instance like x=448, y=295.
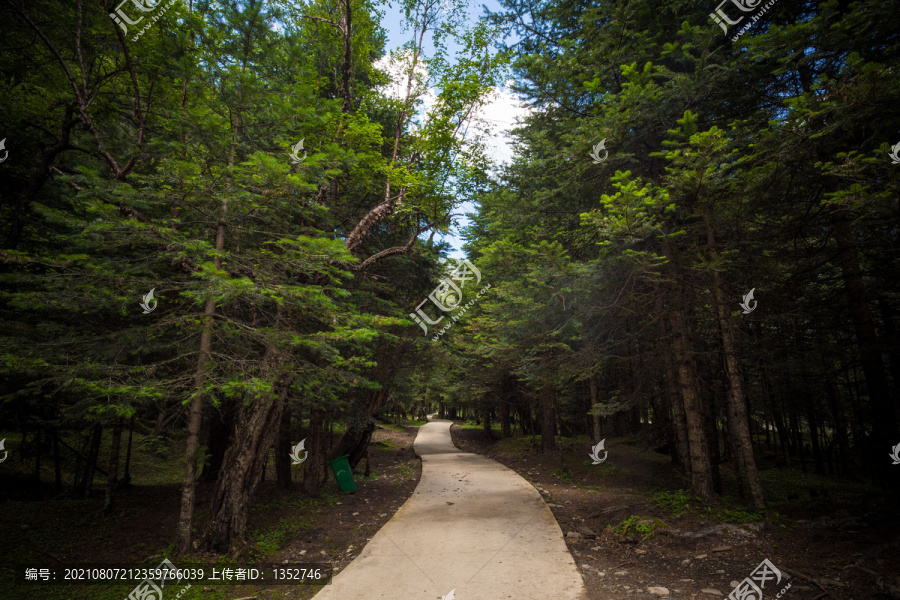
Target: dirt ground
x=843, y=547
x=286, y=526
x=341, y=530
x=846, y=550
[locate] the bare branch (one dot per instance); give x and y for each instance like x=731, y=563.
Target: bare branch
x=138, y=113
x=322, y=19
x=394, y=251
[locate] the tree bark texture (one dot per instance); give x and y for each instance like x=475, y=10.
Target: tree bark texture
x=314, y=473
x=698, y=449
x=245, y=460
x=738, y=419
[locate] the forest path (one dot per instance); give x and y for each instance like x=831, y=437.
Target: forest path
x=473, y=526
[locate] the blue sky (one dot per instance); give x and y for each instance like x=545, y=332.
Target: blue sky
x=500, y=113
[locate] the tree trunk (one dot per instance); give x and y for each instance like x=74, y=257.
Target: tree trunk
x=506, y=390
x=355, y=441
x=814, y=438
x=595, y=417
x=701, y=468
x=548, y=419
x=283, y=449
x=245, y=460
x=361, y=448
x=219, y=432
x=91, y=461
x=346, y=27
x=738, y=420
x=192, y=446
x=314, y=474
x=112, y=477
x=840, y=429
x=57, y=470
x=126, y=475
x=783, y=437
x=681, y=457
x=710, y=422
x=37, y=455
x=884, y=417
x=797, y=436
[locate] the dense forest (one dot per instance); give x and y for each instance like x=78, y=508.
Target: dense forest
x=225, y=228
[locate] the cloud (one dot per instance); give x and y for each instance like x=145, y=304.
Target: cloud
x=502, y=112
x=396, y=65
x=492, y=122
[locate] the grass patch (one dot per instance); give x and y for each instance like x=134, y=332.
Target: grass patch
x=793, y=488
x=274, y=538
x=638, y=525
x=155, y=460
x=473, y=426
x=563, y=475
x=387, y=444
x=515, y=445
x=405, y=472
x=681, y=502
x=402, y=425
x=783, y=489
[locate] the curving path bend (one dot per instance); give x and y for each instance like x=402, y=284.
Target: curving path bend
x=473, y=526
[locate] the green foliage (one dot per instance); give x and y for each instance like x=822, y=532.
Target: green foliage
x=638, y=525
x=155, y=445
x=674, y=502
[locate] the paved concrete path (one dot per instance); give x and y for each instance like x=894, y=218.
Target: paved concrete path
x=473, y=526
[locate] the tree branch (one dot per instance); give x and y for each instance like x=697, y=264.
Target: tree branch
x=394, y=251
x=138, y=112
x=322, y=19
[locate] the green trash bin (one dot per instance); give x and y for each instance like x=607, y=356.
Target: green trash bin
x=341, y=469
